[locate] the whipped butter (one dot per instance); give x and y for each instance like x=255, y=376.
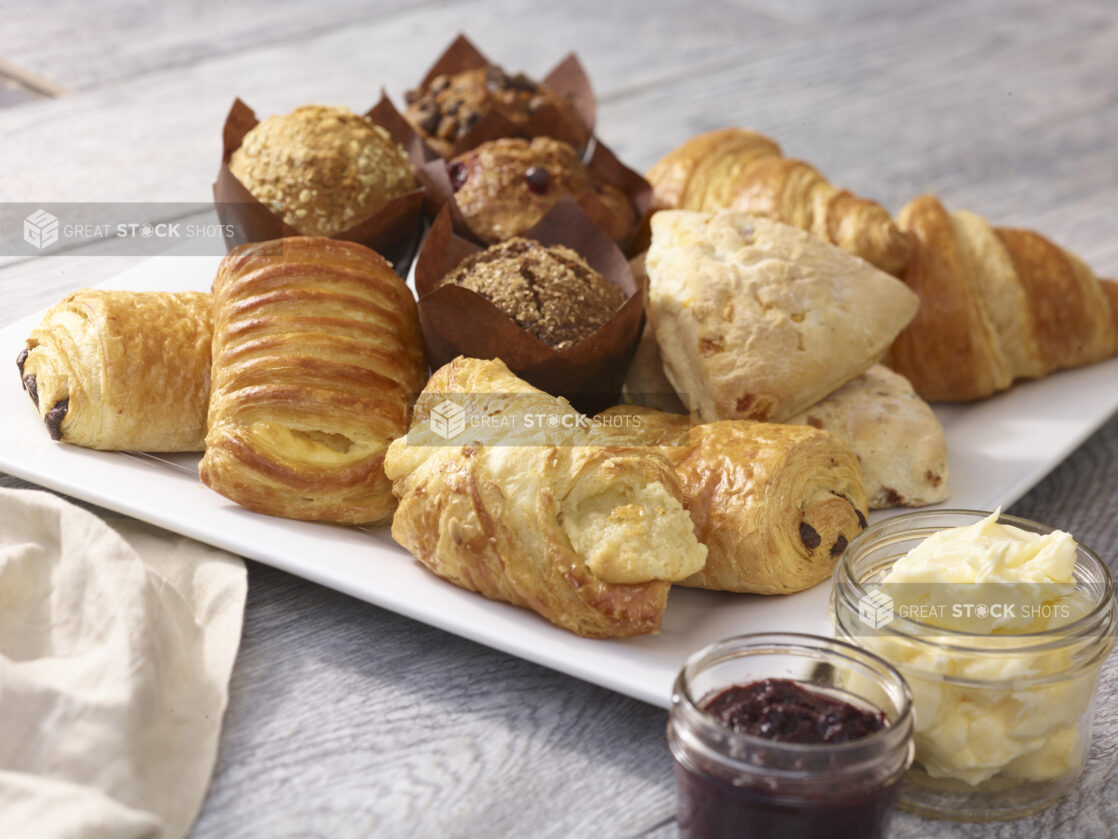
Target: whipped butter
x=979, y=711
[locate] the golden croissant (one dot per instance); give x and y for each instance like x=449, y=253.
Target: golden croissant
x=122, y=370
x=733, y=168
x=584, y=530
x=996, y=304
x=317, y=357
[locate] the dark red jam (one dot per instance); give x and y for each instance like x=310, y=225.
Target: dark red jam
x=712, y=806
x=779, y=709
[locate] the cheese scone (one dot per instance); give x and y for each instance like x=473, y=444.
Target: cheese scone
x=759, y=320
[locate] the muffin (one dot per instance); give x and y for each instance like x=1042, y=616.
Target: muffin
x=548, y=290
x=444, y=111
x=322, y=169
x=503, y=187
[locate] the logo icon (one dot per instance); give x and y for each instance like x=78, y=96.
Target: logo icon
x=875, y=609
x=40, y=229
x=448, y=419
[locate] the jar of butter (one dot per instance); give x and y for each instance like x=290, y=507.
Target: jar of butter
x=1000, y=627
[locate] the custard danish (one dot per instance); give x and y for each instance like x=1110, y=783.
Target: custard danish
x=317, y=360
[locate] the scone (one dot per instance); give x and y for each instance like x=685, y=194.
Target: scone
x=503, y=187
x=322, y=169
x=445, y=110
x=549, y=291
x=759, y=320
x=898, y=440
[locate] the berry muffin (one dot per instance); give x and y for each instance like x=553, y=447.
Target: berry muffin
x=445, y=111
x=503, y=187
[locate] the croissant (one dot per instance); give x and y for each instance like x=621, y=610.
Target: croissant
x=122, y=370
x=733, y=168
x=996, y=304
x=542, y=516
x=775, y=505
x=317, y=357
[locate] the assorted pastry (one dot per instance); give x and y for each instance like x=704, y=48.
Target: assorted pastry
x=762, y=425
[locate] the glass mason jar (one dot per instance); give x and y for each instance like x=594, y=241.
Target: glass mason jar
x=732, y=784
x=1003, y=720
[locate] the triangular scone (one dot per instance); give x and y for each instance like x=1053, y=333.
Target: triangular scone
x=898, y=440
x=759, y=320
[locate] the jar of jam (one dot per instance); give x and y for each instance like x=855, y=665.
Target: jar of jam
x=780, y=735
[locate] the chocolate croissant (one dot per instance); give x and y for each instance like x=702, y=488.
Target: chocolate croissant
x=733, y=168
x=122, y=370
x=996, y=304
x=545, y=515
x=775, y=505
x=317, y=357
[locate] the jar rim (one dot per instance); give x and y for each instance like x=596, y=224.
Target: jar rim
x=1057, y=637
x=761, y=642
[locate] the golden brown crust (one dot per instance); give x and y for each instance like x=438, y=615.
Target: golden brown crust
x=506, y=521
x=322, y=169
x=995, y=305
x=450, y=106
x=499, y=198
x=733, y=168
x=317, y=358
x=123, y=370
x=775, y=505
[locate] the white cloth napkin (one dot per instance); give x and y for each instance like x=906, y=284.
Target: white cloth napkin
x=116, y=648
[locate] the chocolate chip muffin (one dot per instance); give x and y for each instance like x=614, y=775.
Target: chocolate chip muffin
x=446, y=110
x=323, y=169
x=503, y=187
x=549, y=290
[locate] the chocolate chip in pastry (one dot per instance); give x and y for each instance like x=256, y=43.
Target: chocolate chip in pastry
x=122, y=370
x=549, y=291
x=447, y=109
x=504, y=187
x=322, y=169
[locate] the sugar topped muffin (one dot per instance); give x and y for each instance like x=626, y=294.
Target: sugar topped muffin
x=322, y=169
x=548, y=290
x=445, y=111
x=503, y=187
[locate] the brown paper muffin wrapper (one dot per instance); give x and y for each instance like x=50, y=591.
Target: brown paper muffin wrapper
x=392, y=230
x=603, y=164
x=568, y=78
x=457, y=321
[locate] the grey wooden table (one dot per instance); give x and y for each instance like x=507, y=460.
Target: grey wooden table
x=347, y=720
